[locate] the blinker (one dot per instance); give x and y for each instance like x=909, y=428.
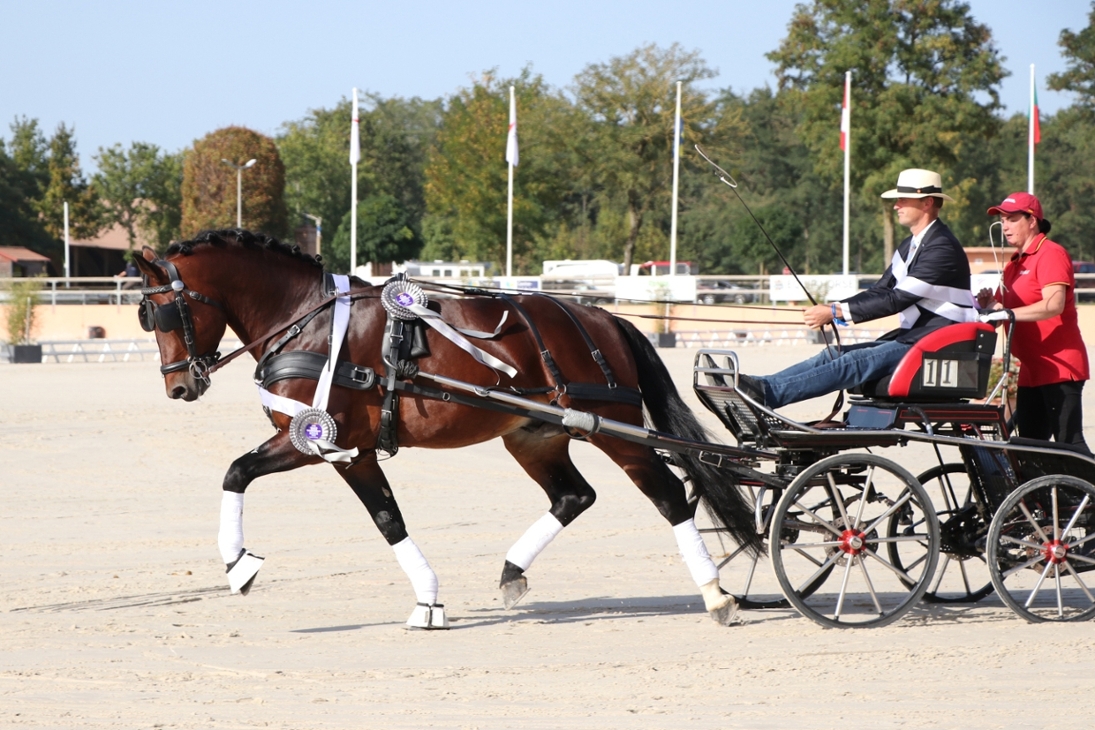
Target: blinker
x=164, y=318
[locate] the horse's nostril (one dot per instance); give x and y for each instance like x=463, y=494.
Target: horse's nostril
x=178, y=391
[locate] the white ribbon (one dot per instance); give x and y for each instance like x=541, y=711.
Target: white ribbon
x=955, y=304
x=433, y=319
x=290, y=407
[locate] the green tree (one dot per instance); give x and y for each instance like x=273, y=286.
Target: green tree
x=19, y=223
x=1078, y=50
x=466, y=175
x=64, y=182
x=383, y=234
x=396, y=135
x=630, y=104
x=209, y=185
x=925, y=81
x=142, y=191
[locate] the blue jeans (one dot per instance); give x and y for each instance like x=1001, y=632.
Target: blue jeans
x=822, y=374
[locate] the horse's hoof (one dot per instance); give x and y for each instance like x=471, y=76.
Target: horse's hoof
x=725, y=614
x=242, y=572
x=514, y=591
x=430, y=617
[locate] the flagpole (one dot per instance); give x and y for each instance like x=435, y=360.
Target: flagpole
x=846, y=124
x=509, y=166
x=676, y=181
x=1030, y=136
x=355, y=156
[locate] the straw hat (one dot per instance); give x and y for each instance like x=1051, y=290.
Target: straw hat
x=918, y=184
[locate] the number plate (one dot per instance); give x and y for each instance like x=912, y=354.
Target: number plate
x=940, y=373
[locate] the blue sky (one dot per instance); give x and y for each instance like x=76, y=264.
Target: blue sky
x=169, y=73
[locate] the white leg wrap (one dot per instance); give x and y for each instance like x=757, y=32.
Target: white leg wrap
x=532, y=543
x=413, y=562
x=695, y=553
x=230, y=538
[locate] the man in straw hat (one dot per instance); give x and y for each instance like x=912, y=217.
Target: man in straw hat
x=927, y=285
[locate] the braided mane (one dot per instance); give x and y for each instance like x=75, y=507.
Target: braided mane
x=243, y=238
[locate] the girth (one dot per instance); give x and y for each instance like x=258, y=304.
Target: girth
x=308, y=364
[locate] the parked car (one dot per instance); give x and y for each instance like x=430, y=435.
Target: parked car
x=719, y=291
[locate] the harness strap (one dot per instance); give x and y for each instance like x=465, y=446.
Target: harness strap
x=593, y=349
x=545, y=355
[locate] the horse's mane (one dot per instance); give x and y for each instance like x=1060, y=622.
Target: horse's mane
x=243, y=238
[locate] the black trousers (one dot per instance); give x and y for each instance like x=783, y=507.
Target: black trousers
x=1052, y=411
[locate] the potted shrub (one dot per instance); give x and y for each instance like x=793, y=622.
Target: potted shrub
x=22, y=305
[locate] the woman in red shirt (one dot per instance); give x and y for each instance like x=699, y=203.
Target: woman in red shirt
x=1039, y=287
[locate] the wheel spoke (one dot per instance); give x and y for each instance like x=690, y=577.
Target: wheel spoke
x=920, y=538
x=1038, y=585
x=965, y=576
x=834, y=493
x=897, y=571
x=749, y=575
x=1081, y=558
x=870, y=588
x=940, y=571
x=802, y=551
x=819, y=521
x=844, y=586
x=1080, y=582
x=1076, y=516
x=1022, y=566
x=809, y=581
x=1057, y=581
x=893, y=508
x=1056, y=516
x=1030, y=518
x=1024, y=543
x=862, y=500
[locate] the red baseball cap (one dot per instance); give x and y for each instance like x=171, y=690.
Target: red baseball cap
x=1019, y=203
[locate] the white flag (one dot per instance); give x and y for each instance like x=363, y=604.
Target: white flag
x=355, y=136
x=511, y=138
x=846, y=113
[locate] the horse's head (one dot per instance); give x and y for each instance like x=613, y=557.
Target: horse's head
x=188, y=321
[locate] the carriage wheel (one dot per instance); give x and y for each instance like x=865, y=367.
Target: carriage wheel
x=1041, y=549
x=963, y=574
x=838, y=510
x=744, y=575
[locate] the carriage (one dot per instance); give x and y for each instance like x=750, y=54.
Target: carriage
x=853, y=537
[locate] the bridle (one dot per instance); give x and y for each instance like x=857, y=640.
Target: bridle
x=168, y=318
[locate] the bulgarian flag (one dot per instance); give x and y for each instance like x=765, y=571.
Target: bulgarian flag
x=1035, y=123
x=846, y=113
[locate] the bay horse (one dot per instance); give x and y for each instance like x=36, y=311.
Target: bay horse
x=260, y=288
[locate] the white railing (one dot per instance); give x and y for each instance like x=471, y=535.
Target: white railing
x=768, y=335
x=80, y=351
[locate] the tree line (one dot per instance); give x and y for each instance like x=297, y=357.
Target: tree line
x=596, y=157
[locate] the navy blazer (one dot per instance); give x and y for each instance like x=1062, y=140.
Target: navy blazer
x=940, y=262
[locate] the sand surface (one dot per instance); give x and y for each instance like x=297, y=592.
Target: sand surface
x=114, y=610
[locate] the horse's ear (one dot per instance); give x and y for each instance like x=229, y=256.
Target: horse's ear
x=144, y=260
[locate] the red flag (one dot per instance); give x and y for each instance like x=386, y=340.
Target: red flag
x=1037, y=123
x=846, y=114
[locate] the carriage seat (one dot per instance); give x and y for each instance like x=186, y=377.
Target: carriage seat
x=952, y=363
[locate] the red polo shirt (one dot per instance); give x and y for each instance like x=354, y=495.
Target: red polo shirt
x=1051, y=351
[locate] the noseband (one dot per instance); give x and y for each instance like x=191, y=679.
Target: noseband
x=169, y=318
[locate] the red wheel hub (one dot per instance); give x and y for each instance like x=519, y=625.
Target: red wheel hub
x=853, y=542
x=1055, y=551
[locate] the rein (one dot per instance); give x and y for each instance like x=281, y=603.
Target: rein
x=293, y=321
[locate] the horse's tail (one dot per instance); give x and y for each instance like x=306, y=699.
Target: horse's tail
x=669, y=413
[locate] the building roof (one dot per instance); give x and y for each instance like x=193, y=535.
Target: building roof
x=114, y=238
x=17, y=254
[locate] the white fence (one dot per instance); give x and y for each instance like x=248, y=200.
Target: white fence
x=81, y=351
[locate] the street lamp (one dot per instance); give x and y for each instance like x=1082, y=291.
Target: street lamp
x=319, y=231
x=239, y=187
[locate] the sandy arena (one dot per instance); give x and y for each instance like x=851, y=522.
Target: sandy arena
x=115, y=612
